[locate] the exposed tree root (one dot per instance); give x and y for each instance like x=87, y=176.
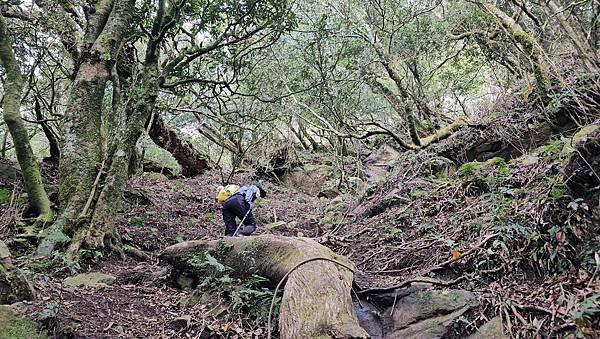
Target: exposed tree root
x=316, y=300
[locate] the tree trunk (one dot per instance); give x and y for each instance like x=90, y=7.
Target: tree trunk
x=527, y=42
x=83, y=160
x=128, y=125
x=191, y=161
x=49, y=133
x=586, y=52
x=13, y=86
x=13, y=285
x=316, y=300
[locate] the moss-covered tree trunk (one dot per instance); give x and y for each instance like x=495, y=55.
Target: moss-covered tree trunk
x=101, y=227
x=316, y=300
x=13, y=86
x=83, y=160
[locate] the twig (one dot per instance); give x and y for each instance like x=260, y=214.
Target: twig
x=532, y=308
x=518, y=315
x=508, y=323
x=467, y=252
x=394, y=304
x=410, y=281
x=88, y=203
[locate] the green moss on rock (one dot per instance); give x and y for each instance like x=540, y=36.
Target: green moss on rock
x=89, y=279
x=13, y=326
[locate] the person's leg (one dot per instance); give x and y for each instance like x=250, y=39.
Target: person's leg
x=229, y=213
x=240, y=207
x=249, y=224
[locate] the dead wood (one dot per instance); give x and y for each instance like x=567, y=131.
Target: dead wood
x=191, y=161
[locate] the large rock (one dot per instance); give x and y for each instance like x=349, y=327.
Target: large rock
x=91, y=279
x=13, y=284
x=13, y=326
x=310, y=179
x=334, y=211
x=379, y=163
x=426, y=313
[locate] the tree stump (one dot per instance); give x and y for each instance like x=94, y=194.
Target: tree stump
x=316, y=300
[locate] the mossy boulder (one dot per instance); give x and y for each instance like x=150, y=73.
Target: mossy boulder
x=13, y=284
x=581, y=135
x=92, y=279
x=310, y=179
x=13, y=326
x=378, y=164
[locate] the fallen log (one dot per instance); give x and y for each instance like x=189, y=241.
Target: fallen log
x=191, y=161
x=316, y=300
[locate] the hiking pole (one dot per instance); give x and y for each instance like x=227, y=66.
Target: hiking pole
x=242, y=222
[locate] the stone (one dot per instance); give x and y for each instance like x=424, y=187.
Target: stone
x=310, y=179
x=274, y=225
x=582, y=134
x=427, y=313
x=4, y=252
x=490, y=330
x=378, y=164
x=180, y=323
x=13, y=326
x=92, y=279
x=185, y=282
x=336, y=205
x=14, y=286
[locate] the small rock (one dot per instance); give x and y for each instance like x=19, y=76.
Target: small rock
x=185, y=282
x=4, y=252
x=180, y=323
x=490, y=330
x=92, y=279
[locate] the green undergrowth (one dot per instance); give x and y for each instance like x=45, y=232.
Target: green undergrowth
x=5, y=195
x=247, y=299
x=541, y=229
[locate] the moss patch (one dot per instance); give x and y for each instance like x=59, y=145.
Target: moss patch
x=13, y=326
x=5, y=196
x=89, y=279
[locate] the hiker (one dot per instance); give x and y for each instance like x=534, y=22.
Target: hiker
x=237, y=204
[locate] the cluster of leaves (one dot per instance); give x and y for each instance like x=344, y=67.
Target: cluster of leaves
x=248, y=297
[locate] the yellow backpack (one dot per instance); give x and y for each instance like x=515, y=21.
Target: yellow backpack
x=225, y=192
